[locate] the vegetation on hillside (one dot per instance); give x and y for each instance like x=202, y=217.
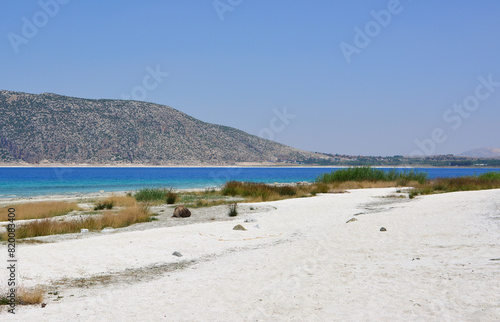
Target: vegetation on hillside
x=60, y=129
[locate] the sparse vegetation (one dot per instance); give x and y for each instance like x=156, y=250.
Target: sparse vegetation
x=202, y=199
x=44, y=227
x=122, y=211
x=226, y=143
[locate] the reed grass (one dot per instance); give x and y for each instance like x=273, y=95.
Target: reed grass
x=166, y=195
x=489, y=180
x=37, y=210
x=255, y=190
x=360, y=174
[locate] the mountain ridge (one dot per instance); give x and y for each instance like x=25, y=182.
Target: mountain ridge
x=52, y=128
x=482, y=153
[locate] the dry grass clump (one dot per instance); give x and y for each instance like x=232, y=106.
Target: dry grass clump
x=36, y=210
x=130, y=215
x=45, y=227
x=25, y=296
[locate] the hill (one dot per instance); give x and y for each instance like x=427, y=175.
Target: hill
x=50, y=128
x=482, y=153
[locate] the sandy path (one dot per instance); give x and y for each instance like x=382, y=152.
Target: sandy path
x=304, y=263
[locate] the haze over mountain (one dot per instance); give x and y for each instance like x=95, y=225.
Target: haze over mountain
x=482, y=153
x=50, y=128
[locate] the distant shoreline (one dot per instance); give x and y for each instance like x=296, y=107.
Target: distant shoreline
x=256, y=165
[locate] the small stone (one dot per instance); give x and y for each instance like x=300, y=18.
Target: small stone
x=250, y=220
x=383, y=229
x=351, y=220
x=44, y=304
x=239, y=227
x=176, y=253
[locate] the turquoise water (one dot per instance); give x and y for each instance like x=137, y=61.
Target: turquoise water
x=29, y=182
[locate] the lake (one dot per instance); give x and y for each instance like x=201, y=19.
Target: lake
x=35, y=181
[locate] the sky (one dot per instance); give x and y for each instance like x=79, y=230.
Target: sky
x=349, y=77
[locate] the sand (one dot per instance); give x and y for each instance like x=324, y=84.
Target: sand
x=436, y=261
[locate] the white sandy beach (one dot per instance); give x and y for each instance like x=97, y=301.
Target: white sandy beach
x=439, y=260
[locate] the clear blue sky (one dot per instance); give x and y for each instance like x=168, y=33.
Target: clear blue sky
x=265, y=55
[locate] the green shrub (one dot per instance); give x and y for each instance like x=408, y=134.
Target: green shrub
x=233, y=210
x=104, y=205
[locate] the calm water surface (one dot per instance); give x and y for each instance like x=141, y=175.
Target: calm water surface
x=28, y=182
